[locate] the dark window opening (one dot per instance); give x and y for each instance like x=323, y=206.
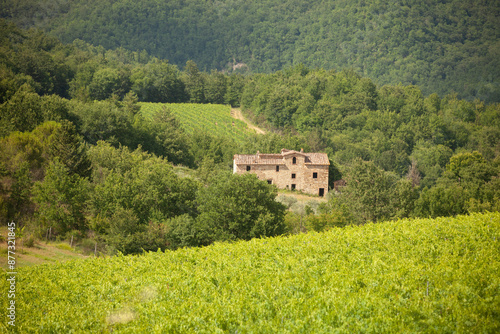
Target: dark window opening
x=293, y=176
x=277, y=168
x=315, y=175
x=322, y=192
x=293, y=186
x=248, y=168
x=294, y=160
x=269, y=181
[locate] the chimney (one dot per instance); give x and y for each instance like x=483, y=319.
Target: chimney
x=301, y=150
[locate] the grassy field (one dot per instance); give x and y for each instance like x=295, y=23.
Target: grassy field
x=40, y=253
x=212, y=118
x=423, y=275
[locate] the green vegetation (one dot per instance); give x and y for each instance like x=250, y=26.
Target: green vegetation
x=412, y=146
x=441, y=46
x=418, y=275
x=195, y=118
x=89, y=138
x=123, y=153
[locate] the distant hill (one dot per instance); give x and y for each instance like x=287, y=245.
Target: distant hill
x=442, y=46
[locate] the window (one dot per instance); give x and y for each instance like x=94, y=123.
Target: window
x=294, y=160
x=277, y=168
x=248, y=168
x=322, y=192
x=293, y=176
x=269, y=181
x=293, y=186
x=315, y=175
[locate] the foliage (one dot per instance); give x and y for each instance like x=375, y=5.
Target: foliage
x=25, y=157
x=369, y=194
x=162, y=134
x=60, y=199
x=139, y=182
x=440, y=46
x=109, y=150
x=438, y=275
x=324, y=221
x=66, y=145
x=441, y=201
x=158, y=82
x=103, y=120
x=26, y=109
x=237, y=207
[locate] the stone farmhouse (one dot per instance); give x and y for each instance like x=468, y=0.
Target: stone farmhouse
x=290, y=169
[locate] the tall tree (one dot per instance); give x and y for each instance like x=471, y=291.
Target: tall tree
x=195, y=82
x=60, y=199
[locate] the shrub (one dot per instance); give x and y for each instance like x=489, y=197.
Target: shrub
x=29, y=241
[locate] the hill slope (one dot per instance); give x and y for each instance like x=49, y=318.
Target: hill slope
x=442, y=46
x=407, y=276
x=215, y=119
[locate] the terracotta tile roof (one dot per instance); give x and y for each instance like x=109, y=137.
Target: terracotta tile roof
x=278, y=159
x=260, y=159
x=317, y=158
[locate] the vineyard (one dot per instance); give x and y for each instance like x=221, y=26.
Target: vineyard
x=422, y=275
x=212, y=118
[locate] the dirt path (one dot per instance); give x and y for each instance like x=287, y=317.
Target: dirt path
x=236, y=113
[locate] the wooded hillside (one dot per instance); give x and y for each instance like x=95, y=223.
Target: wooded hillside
x=81, y=157
x=441, y=46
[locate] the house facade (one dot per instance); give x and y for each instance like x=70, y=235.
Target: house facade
x=294, y=170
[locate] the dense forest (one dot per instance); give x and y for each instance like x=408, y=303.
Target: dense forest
x=78, y=158
x=441, y=46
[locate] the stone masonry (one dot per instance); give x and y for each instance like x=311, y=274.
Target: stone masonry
x=290, y=169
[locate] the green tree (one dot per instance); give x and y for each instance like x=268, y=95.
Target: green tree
x=369, y=194
x=109, y=81
x=158, y=81
x=60, y=199
x=67, y=146
x=122, y=232
x=234, y=90
x=215, y=87
x=103, y=120
x=238, y=207
x=22, y=112
x=195, y=82
x=137, y=181
x=459, y=163
x=164, y=136
x=15, y=199
x=441, y=200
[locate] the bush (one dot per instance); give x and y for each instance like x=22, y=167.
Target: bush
x=288, y=201
x=88, y=246
x=29, y=241
x=64, y=246
x=324, y=221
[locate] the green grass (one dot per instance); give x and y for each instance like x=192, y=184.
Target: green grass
x=423, y=275
x=64, y=246
x=212, y=118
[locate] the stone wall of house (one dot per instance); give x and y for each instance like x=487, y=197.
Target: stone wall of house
x=289, y=175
